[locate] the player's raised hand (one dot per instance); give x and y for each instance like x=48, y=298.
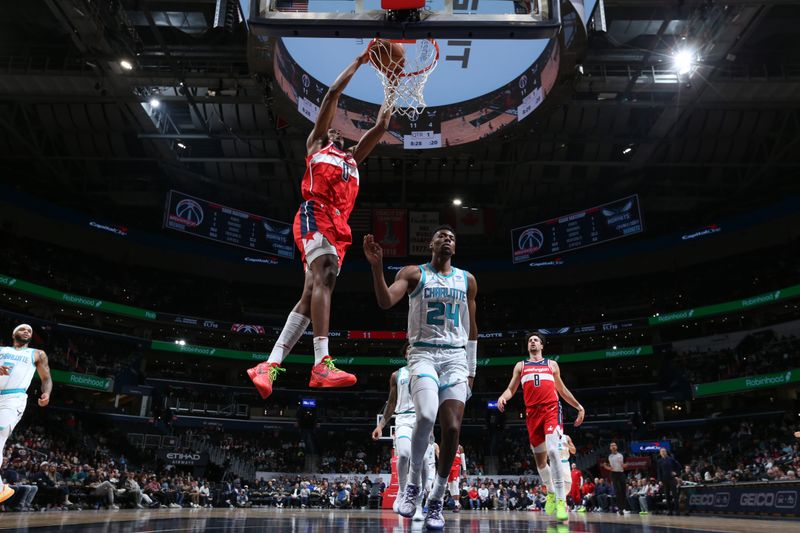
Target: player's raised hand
x=501, y=404
x=372, y=250
x=5, y=370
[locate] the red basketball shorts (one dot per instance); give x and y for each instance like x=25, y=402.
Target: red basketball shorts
x=455, y=473
x=542, y=420
x=320, y=230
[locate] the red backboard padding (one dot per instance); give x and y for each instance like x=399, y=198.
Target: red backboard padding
x=402, y=4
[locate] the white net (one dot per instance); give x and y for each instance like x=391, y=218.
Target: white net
x=404, y=76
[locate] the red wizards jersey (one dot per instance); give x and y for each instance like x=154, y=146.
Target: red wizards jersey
x=331, y=178
x=538, y=383
x=456, y=467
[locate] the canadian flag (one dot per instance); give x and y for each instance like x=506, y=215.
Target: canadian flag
x=470, y=221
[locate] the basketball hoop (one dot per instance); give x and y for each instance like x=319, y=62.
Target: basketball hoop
x=403, y=77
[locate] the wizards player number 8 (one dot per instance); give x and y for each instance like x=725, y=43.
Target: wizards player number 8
x=437, y=310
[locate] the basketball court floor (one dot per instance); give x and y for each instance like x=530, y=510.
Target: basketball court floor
x=363, y=521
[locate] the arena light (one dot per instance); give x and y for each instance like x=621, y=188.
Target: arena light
x=457, y=201
x=180, y=342
x=683, y=61
x=126, y=65
x=181, y=145
x=154, y=103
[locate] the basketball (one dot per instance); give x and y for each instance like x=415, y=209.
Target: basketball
x=387, y=56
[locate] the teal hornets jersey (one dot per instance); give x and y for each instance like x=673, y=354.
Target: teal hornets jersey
x=23, y=365
x=405, y=404
x=438, y=316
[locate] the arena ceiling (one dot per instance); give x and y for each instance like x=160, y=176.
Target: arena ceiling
x=73, y=127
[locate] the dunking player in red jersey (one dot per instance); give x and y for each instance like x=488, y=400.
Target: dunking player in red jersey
x=330, y=186
x=541, y=386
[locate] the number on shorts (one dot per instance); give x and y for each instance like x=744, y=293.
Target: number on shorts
x=438, y=312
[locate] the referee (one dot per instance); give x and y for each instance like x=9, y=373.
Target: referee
x=616, y=463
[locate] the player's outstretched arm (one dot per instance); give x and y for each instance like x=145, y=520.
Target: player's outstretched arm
x=388, y=409
x=564, y=392
x=43, y=368
x=386, y=295
x=513, y=385
x=371, y=138
x=330, y=102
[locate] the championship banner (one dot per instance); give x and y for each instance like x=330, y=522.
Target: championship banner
x=748, y=383
x=171, y=457
x=776, y=498
x=421, y=225
x=389, y=226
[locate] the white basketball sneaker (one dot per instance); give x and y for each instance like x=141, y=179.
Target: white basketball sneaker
x=397, y=500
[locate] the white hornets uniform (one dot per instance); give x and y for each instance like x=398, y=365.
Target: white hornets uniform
x=14, y=387
x=438, y=326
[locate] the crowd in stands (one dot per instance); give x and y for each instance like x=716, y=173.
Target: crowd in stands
x=57, y=461
x=758, y=354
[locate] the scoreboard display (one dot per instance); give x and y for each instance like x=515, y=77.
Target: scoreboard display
x=603, y=223
x=227, y=225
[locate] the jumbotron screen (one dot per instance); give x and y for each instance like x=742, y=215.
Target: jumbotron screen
x=227, y=225
x=614, y=220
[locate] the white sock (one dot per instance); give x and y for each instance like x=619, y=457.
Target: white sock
x=438, y=488
x=402, y=473
x=295, y=325
x=320, y=349
x=547, y=480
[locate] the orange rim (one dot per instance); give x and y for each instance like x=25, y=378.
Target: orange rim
x=408, y=41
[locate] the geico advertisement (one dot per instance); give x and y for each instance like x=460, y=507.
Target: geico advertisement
x=780, y=498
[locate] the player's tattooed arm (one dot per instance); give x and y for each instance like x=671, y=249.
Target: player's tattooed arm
x=43, y=367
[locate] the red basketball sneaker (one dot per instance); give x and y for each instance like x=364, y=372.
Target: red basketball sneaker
x=5, y=493
x=325, y=374
x=263, y=375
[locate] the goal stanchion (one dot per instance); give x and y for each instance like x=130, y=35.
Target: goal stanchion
x=390, y=494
